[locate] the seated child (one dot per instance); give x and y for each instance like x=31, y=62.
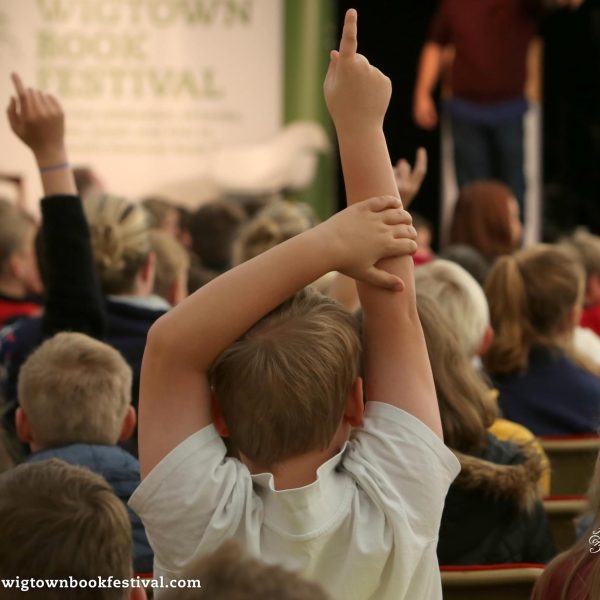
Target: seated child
x=163, y=215
x=229, y=573
x=75, y=395
x=59, y=521
x=464, y=304
x=492, y=512
x=172, y=264
x=535, y=299
x=276, y=370
x=20, y=282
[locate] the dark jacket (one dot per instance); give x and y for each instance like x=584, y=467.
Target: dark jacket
x=492, y=512
x=552, y=397
x=122, y=472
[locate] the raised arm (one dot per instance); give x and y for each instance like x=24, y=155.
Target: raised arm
x=397, y=369
x=175, y=398
x=430, y=65
x=73, y=295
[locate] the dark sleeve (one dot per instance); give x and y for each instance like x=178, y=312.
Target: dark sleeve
x=74, y=299
x=540, y=545
x=439, y=30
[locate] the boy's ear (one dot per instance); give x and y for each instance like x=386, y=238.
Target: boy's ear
x=129, y=423
x=149, y=268
x=355, y=406
x=486, y=342
x=218, y=420
x=22, y=426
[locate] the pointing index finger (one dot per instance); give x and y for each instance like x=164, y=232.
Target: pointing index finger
x=349, y=42
x=19, y=87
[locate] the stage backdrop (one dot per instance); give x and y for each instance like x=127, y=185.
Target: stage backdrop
x=150, y=87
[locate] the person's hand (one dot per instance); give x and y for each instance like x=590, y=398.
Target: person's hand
x=357, y=94
x=366, y=232
x=38, y=120
x=409, y=180
x=424, y=111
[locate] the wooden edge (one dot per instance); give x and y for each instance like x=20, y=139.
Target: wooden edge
x=570, y=445
x=564, y=506
x=491, y=577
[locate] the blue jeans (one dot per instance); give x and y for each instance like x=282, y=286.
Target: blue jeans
x=485, y=151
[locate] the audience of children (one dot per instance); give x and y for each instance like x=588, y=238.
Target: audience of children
x=354, y=485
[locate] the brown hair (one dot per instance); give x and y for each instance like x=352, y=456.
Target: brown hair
x=214, y=227
x=75, y=389
x=531, y=295
x=230, y=574
x=59, y=520
x=120, y=241
x=14, y=229
x=466, y=407
x=482, y=219
x=282, y=387
x=577, y=558
x=587, y=247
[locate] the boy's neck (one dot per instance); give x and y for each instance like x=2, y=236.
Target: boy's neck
x=12, y=288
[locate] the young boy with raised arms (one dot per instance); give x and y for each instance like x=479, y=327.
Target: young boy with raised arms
x=349, y=496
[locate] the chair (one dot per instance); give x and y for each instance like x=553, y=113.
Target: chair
x=492, y=582
x=572, y=460
x=562, y=511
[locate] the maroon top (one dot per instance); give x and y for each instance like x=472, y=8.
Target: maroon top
x=491, y=38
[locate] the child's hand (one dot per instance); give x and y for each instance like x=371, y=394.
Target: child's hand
x=38, y=120
x=365, y=233
x=357, y=94
x=409, y=180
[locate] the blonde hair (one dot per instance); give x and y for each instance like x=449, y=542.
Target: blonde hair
x=282, y=387
x=466, y=407
x=277, y=222
x=531, y=295
x=460, y=298
x=59, y=520
x=172, y=261
x=120, y=241
x=587, y=247
x=230, y=574
x=15, y=227
x=75, y=389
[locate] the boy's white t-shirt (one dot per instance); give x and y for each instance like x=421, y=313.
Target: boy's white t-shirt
x=367, y=528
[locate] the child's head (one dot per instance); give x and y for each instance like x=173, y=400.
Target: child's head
x=587, y=247
x=18, y=264
x=230, y=574
x=470, y=259
x=534, y=298
x=74, y=389
x=424, y=232
x=460, y=298
x=87, y=182
x=172, y=263
x=276, y=223
x=162, y=214
x=121, y=245
x=486, y=217
x=282, y=388
x=214, y=228
x=58, y=520
x=466, y=407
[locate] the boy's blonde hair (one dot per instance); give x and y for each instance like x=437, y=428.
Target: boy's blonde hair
x=282, y=387
x=172, y=261
x=531, y=295
x=277, y=222
x=587, y=247
x=459, y=297
x=14, y=230
x=230, y=574
x=75, y=389
x=120, y=241
x=59, y=520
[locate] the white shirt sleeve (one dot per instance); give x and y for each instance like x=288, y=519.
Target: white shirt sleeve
x=193, y=492
x=403, y=466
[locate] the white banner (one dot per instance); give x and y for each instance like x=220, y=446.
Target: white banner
x=150, y=87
